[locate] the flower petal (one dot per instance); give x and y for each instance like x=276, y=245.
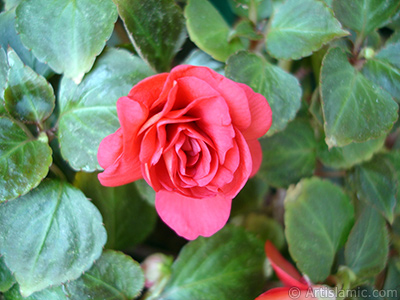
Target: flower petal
x=228, y=89
x=284, y=270
x=127, y=167
x=192, y=217
x=110, y=149
x=285, y=293
x=261, y=114
x=148, y=90
x=256, y=155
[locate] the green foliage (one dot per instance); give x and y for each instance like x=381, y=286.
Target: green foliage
x=219, y=265
x=367, y=248
x=114, y=276
x=296, y=29
x=363, y=16
x=28, y=96
x=157, y=36
x=127, y=217
x=327, y=191
x=289, y=155
x=78, y=35
x=281, y=89
x=91, y=104
x=6, y=278
x=375, y=182
x=24, y=160
x=10, y=38
x=355, y=110
x=209, y=31
x=321, y=210
x=59, y=240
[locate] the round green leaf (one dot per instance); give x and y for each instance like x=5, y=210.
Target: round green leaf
x=28, y=96
x=355, y=110
x=209, y=31
x=127, y=218
x=7, y=280
x=367, y=248
x=282, y=90
x=384, y=69
x=10, y=38
x=299, y=28
x=319, y=209
x=227, y=265
x=79, y=30
x=350, y=155
x=24, y=161
x=364, y=16
x=375, y=182
x=114, y=276
x=50, y=235
x=289, y=155
x=88, y=112
x=157, y=36
x=52, y=293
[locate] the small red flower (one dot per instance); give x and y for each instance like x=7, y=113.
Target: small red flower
x=192, y=135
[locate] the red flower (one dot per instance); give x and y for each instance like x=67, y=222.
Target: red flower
x=296, y=286
x=192, y=135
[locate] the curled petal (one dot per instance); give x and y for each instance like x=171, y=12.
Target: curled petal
x=285, y=293
x=284, y=270
x=261, y=114
x=110, y=149
x=192, y=217
x=256, y=155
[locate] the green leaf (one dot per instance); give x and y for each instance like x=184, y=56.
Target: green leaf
x=282, y=90
x=393, y=158
x=319, y=209
x=384, y=69
x=28, y=96
x=127, y=218
x=367, y=248
x=375, y=183
x=393, y=279
x=146, y=191
x=245, y=28
x=364, y=16
x=24, y=161
x=349, y=155
x=9, y=37
x=255, y=10
x=156, y=29
x=52, y=293
x=299, y=28
x=209, y=31
x=59, y=240
x=263, y=227
x=227, y=265
x=355, y=110
x=79, y=30
x=88, y=111
x=7, y=280
x=251, y=197
x=289, y=155
x=3, y=79
x=200, y=58
x=11, y=4
x=114, y=276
